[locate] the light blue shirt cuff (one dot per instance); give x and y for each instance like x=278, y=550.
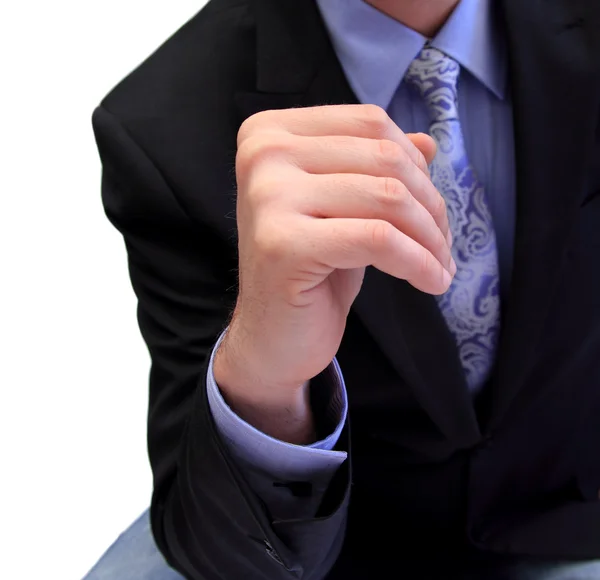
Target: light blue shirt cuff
x=266, y=460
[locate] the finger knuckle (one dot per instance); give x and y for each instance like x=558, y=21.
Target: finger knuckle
x=253, y=124
x=439, y=247
x=244, y=131
x=426, y=264
x=380, y=234
x=439, y=207
x=391, y=155
x=375, y=119
x=264, y=190
x=393, y=192
x=247, y=153
x=247, y=128
x=421, y=162
x=270, y=242
x=258, y=148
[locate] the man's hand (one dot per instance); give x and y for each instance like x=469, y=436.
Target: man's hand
x=322, y=193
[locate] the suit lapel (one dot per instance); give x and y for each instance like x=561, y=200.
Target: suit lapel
x=555, y=92
x=410, y=330
x=298, y=67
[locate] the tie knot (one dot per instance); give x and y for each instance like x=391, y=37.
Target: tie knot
x=435, y=76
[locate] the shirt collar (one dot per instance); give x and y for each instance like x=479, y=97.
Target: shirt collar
x=376, y=50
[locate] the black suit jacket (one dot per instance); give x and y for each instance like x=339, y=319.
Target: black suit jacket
x=516, y=473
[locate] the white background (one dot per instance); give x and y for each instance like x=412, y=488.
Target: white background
x=73, y=367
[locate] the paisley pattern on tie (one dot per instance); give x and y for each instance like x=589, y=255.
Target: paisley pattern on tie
x=471, y=306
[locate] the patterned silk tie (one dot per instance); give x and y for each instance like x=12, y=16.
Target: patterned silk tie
x=471, y=306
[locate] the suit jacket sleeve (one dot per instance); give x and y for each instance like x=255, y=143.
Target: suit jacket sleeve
x=291, y=480
x=206, y=519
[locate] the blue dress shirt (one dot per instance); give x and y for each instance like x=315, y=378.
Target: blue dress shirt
x=375, y=52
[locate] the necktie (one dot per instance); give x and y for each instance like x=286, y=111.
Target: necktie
x=471, y=306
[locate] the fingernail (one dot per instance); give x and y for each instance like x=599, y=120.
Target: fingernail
x=449, y=239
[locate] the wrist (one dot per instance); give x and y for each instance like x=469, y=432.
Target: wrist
x=246, y=360
x=280, y=411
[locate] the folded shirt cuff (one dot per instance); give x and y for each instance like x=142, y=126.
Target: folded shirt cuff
x=285, y=461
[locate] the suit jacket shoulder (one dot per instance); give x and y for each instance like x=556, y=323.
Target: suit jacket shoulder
x=202, y=63
x=178, y=106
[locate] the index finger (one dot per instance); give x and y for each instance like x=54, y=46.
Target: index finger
x=366, y=121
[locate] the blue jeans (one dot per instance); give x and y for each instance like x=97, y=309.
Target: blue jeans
x=134, y=556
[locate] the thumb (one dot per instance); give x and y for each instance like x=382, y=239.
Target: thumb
x=425, y=144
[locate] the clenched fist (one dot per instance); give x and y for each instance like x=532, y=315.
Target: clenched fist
x=323, y=192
